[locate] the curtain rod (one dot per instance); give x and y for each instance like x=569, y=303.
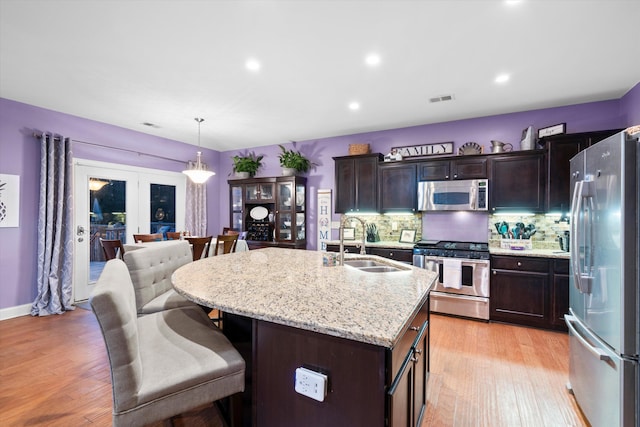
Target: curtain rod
x=57, y=138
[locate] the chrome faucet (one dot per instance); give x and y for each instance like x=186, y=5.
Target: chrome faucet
x=341, y=231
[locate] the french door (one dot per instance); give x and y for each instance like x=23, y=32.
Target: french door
x=115, y=201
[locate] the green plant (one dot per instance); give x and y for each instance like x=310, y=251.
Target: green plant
x=294, y=160
x=247, y=163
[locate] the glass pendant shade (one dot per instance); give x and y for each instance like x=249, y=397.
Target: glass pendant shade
x=197, y=171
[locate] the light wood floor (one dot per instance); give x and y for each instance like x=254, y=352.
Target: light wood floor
x=54, y=372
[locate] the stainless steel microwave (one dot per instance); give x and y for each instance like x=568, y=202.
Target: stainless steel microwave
x=463, y=195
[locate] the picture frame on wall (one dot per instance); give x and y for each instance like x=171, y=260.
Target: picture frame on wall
x=407, y=236
x=349, y=233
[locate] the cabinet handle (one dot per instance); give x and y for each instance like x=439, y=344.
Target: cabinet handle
x=446, y=176
x=519, y=264
x=417, y=350
x=414, y=328
x=390, y=253
x=495, y=272
x=455, y=176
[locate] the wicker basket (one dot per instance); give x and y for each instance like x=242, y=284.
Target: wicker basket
x=358, y=149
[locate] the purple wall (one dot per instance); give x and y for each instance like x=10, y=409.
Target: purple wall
x=506, y=127
x=630, y=106
x=19, y=155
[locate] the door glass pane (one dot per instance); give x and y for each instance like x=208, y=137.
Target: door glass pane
x=284, y=227
x=163, y=209
x=108, y=217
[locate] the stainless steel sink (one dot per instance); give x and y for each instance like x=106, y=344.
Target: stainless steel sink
x=371, y=266
x=359, y=263
x=380, y=269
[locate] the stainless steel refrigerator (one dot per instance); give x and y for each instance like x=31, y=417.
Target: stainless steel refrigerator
x=604, y=296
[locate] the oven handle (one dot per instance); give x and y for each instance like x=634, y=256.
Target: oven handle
x=465, y=261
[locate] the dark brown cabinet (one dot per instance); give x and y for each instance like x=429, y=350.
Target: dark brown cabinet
x=559, y=293
x=271, y=210
x=518, y=182
x=520, y=290
x=559, y=150
x=397, y=187
x=409, y=365
x=396, y=254
x=468, y=167
x=530, y=291
x=356, y=183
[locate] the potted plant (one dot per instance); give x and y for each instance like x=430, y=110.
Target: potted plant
x=293, y=162
x=247, y=165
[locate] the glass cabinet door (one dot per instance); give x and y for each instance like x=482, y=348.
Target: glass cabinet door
x=300, y=212
x=285, y=211
x=236, y=207
x=259, y=192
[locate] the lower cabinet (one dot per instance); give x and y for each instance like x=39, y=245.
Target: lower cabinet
x=396, y=254
x=529, y=291
x=407, y=394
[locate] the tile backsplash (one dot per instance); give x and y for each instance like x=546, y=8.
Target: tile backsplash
x=385, y=223
x=548, y=228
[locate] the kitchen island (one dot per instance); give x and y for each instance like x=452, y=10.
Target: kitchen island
x=366, y=331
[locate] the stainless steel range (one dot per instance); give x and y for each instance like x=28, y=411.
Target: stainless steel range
x=463, y=268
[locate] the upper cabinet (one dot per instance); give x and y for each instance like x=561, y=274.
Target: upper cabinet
x=560, y=149
x=397, y=187
x=356, y=183
x=467, y=167
x=517, y=181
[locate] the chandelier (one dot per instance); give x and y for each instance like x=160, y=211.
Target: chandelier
x=197, y=171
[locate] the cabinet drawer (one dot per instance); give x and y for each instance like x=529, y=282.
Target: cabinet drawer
x=520, y=263
x=403, y=255
x=561, y=266
x=408, y=339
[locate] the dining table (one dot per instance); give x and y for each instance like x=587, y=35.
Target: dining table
x=241, y=245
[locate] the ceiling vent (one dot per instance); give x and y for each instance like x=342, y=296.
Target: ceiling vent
x=441, y=98
x=151, y=125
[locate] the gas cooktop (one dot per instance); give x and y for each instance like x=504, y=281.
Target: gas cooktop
x=450, y=249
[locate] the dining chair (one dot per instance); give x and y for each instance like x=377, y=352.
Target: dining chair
x=162, y=364
x=174, y=235
x=227, y=231
x=112, y=248
x=200, y=246
x=228, y=243
x=140, y=238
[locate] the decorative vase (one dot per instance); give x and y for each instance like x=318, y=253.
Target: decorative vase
x=288, y=171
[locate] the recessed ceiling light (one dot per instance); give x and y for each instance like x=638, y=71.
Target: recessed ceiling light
x=354, y=106
x=372, y=60
x=252, y=64
x=502, y=78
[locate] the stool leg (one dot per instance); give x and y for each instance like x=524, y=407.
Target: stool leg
x=235, y=403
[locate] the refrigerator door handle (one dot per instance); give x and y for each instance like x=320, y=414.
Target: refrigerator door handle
x=581, y=275
x=599, y=354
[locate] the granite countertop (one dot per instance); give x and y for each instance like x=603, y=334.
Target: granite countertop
x=291, y=287
x=539, y=253
x=381, y=244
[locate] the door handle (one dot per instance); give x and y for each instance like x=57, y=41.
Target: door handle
x=598, y=353
x=80, y=230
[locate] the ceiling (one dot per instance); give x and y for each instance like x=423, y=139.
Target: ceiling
x=166, y=62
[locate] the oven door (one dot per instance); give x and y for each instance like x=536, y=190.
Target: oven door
x=475, y=276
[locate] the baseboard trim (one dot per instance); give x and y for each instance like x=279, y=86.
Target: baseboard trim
x=17, y=311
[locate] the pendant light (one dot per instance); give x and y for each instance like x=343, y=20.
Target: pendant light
x=197, y=171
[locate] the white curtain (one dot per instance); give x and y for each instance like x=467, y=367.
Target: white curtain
x=55, y=227
x=196, y=209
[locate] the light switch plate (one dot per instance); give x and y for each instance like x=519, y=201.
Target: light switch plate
x=311, y=384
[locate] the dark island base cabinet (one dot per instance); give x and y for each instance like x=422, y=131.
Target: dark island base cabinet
x=368, y=385
x=529, y=291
